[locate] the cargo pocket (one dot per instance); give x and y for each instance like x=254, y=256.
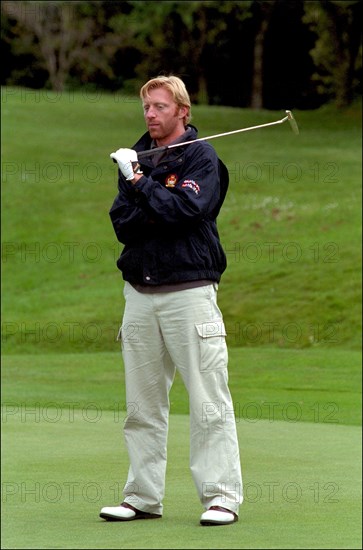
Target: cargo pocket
x=212, y=345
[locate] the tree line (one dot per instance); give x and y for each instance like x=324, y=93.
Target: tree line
x=259, y=54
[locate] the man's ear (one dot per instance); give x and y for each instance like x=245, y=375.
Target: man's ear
x=183, y=111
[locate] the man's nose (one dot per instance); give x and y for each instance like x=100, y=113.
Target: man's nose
x=150, y=113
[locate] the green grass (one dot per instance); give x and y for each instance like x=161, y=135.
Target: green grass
x=291, y=299
x=318, y=386
x=295, y=495
x=291, y=223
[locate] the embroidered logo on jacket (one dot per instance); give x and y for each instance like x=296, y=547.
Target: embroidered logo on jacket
x=171, y=180
x=192, y=184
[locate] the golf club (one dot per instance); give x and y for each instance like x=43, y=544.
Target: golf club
x=289, y=117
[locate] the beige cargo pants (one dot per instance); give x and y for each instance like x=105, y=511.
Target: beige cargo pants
x=180, y=330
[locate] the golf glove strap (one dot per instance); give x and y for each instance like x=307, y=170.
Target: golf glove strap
x=127, y=162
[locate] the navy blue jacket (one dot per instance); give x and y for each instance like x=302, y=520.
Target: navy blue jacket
x=167, y=220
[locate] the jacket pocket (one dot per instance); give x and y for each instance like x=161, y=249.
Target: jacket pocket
x=212, y=345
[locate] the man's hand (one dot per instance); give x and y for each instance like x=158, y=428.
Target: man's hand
x=125, y=159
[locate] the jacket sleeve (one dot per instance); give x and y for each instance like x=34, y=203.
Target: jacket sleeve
x=195, y=195
x=128, y=217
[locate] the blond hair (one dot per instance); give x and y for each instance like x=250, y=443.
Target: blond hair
x=175, y=86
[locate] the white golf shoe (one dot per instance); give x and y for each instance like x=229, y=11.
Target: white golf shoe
x=216, y=515
x=125, y=512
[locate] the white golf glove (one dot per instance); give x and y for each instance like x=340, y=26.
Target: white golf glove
x=127, y=162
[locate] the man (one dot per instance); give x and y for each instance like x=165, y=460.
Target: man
x=165, y=215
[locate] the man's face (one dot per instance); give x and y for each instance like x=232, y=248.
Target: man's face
x=164, y=118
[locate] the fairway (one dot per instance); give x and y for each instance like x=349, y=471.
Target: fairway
x=64, y=456
x=301, y=479
x=291, y=300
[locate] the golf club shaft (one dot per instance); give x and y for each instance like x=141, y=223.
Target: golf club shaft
x=156, y=150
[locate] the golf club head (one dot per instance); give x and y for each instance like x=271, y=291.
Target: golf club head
x=293, y=124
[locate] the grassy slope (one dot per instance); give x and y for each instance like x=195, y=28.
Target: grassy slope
x=290, y=224
x=286, y=285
